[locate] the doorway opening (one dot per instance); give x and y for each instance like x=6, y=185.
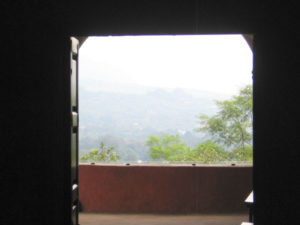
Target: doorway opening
x=124, y=121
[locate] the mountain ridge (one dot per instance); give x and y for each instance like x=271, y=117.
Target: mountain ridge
x=125, y=120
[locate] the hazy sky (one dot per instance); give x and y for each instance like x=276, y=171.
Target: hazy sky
x=217, y=63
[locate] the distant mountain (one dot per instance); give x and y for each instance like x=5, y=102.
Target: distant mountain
x=125, y=120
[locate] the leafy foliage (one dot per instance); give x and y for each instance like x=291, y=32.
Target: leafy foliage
x=167, y=147
x=245, y=154
x=230, y=128
x=232, y=125
x=104, y=155
x=171, y=149
x=210, y=152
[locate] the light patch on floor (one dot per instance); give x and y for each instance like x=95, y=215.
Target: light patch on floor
x=158, y=219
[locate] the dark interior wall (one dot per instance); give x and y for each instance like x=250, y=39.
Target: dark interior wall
x=276, y=171
x=35, y=77
x=35, y=143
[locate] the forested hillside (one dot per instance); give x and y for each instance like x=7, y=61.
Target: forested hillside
x=125, y=120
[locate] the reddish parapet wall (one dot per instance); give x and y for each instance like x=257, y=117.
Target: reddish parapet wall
x=164, y=189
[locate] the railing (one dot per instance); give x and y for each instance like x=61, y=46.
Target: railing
x=164, y=189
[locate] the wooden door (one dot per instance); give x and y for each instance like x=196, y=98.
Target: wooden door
x=74, y=130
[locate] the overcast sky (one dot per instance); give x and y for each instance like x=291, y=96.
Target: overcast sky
x=216, y=63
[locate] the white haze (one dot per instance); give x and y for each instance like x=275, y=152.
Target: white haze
x=219, y=64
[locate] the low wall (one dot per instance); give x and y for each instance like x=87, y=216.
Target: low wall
x=164, y=189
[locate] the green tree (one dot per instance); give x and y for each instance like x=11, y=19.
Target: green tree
x=171, y=149
x=232, y=125
x=167, y=147
x=210, y=152
x=106, y=154
x=239, y=154
x=230, y=128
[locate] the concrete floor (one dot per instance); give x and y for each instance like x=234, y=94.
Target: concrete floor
x=158, y=219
